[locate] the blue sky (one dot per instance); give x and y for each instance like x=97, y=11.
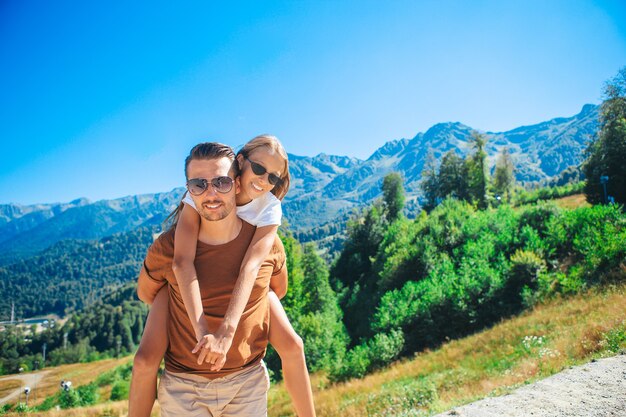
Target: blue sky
x=105, y=99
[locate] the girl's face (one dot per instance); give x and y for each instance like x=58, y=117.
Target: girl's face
x=253, y=185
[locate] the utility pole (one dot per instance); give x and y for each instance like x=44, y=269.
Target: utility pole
x=45, y=345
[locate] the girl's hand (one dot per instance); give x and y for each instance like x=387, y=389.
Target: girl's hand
x=213, y=349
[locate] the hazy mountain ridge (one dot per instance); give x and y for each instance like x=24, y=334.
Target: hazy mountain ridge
x=539, y=152
x=15, y=218
x=323, y=187
x=84, y=221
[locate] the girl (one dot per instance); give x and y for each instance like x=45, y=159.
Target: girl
x=264, y=181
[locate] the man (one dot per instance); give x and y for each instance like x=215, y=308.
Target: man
x=240, y=387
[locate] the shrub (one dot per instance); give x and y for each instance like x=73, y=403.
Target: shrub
x=120, y=390
x=615, y=339
x=385, y=347
x=88, y=394
x=379, y=351
x=523, y=277
x=69, y=399
x=538, y=216
x=355, y=365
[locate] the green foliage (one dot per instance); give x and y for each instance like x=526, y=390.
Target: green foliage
x=478, y=179
x=393, y=196
x=615, y=339
x=292, y=302
x=320, y=320
x=453, y=177
x=370, y=355
x=605, y=155
x=401, y=395
x=48, y=403
x=523, y=276
x=459, y=269
x=120, y=391
x=522, y=196
x=312, y=308
x=69, y=399
x=429, y=183
x=91, y=334
x=352, y=274
x=72, y=274
x=503, y=178
x=590, y=242
x=88, y=394
x=466, y=180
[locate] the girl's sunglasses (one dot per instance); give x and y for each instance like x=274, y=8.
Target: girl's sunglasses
x=197, y=186
x=259, y=169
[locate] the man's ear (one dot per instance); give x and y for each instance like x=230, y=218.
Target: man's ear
x=237, y=185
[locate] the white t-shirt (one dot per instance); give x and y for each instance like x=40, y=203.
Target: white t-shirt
x=263, y=211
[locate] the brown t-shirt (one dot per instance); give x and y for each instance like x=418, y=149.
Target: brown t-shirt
x=217, y=268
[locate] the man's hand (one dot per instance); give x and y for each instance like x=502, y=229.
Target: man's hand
x=213, y=348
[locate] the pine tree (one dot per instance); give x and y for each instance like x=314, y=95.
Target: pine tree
x=477, y=170
x=452, y=178
x=604, y=168
x=352, y=274
x=393, y=196
x=321, y=324
x=503, y=178
x=429, y=183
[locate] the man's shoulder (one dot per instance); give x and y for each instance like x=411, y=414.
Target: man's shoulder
x=164, y=244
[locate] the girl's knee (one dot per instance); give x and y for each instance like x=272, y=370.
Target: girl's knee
x=293, y=346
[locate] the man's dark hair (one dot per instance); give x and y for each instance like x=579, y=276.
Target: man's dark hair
x=212, y=150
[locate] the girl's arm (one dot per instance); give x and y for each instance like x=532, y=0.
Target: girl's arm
x=185, y=242
x=216, y=346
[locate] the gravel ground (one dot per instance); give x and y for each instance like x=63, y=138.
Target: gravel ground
x=597, y=389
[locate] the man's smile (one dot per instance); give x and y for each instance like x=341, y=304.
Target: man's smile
x=211, y=205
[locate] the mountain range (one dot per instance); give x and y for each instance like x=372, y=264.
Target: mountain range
x=324, y=187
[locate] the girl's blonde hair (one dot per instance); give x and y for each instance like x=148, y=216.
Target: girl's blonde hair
x=270, y=142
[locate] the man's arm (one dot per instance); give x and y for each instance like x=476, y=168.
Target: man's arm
x=150, y=281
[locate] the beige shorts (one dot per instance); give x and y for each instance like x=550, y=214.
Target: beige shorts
x=243, y=393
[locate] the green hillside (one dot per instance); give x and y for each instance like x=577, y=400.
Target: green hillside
x=72, y=274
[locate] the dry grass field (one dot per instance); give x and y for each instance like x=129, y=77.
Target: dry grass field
x=572, y=201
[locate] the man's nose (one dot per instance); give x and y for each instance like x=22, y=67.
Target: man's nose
x=210, y=190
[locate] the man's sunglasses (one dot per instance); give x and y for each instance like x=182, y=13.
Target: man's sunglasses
x=259, y=169
x=197, y=186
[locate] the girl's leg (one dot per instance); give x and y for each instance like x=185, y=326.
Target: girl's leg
x=154, y=341
x=290, y=348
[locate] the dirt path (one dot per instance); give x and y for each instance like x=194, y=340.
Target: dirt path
x=28, y=380
x=597, y=389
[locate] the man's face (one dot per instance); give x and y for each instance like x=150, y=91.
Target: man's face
x=212, y=205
